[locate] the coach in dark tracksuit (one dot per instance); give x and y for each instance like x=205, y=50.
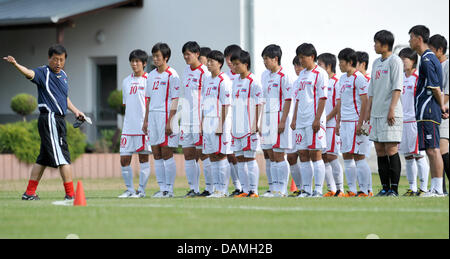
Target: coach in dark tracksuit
x=52, y=86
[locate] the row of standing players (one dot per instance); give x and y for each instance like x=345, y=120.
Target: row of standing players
x=280, y=119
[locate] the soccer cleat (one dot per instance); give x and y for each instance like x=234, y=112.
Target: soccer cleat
x=235, y=193
x=432, y=194
x=392, y=193
x=126, y=194
x=268, y=194
x=191, y=194
x=217, y=194
x=138, y=194
x=296, y=193
x=32, y=197
x=205, y=193
x=339, y=193
x=252, y=194
x=382, y=193
x=166, y=194
x=304, y=194
x=350, y=194
x=69, y=198
x=316, y=194
x=370, y=194
x=242, y=195
x=410, y=193
x=329, y=194
x=279, y=195
x=158, y=194
x=361, y=194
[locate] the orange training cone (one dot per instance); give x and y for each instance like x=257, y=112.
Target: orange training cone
x=80, y=199
x=293, y=186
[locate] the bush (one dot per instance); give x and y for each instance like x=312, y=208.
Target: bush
x=115, y=101
x=23, y=104
x=22, y=139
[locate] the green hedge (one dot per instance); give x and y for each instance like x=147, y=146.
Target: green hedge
x=22, y=139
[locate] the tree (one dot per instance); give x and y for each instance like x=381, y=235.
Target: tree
x=23, y=104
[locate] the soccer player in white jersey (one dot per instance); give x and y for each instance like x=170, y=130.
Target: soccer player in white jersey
x=163, y=91
x=277, y=117
x=416, y=163
x=133, y=140
x=292, y=155
x=194, y=78
x=228, y=52
x=353, y=100
x=216, y=124
x=334, y=175
x=310, y=120
x=438, y=45
x=247, y=99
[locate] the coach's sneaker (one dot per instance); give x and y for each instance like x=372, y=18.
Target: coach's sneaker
x=350, y=194
x=235, y=193
x=392, y=193
x=252, y=194
x=410, y=193
x=382, y=193
x=138, y=194
x=126, y=194
x=361, y=194
x=432, y=194
x=268, y=194
x=32, y=197
x=191, y=194
x=339, y=193
x=329, y=194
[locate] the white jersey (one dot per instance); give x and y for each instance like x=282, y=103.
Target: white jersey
x=408, y=93
x=191, y=94
x=216, y=93
x=351, y=89
x=247, y=93
x=333, y=89
x=232, y=75
x=162, y=89
x=445, y=77
x=312, y=87
x=277, y=89
x=133, y=94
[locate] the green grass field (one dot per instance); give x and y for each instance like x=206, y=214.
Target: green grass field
x=106, y=216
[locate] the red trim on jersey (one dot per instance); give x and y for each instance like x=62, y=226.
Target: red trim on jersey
x=417, y=79
x=218, y=93
x=354, y=94
x=248, y=101
x=315, y=89
x=200, y=98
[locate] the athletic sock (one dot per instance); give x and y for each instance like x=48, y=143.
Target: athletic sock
x=273, y=171
x=243, y=176
x=363, y=171
x=191, y=173
x=395, y=171
x=196, y=178
x=411, y=173
x=329, y=178
x=235, y=176
x=338, y=174
x=224, y=172
x=423, y=171
x=160, y=174
x=283, y=176
x=295, y=172
x=144, y=174
x=31, y=188
x=127, y=174
x=269, y=174
x=215, y=171
x=436, y=184
x=253, y=175
x=170, y=170
x=209, y=184
x=68, y=187
x=350, y=173
x=383, y=171
x=319, y=175
x=306, y=169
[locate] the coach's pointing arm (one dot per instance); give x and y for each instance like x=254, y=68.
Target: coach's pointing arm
x=28, y=73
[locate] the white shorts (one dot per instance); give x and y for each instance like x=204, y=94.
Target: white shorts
x=352, y=143
x=308, y=140
x=382, y=132
x=213, y=143
x=246, y=146
x=190, y=137
x=295, y=141
x=410, y=139
x=443, y=129
x=157, y=131
x=270, y=138
x=333, y=141
x=134, y=144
